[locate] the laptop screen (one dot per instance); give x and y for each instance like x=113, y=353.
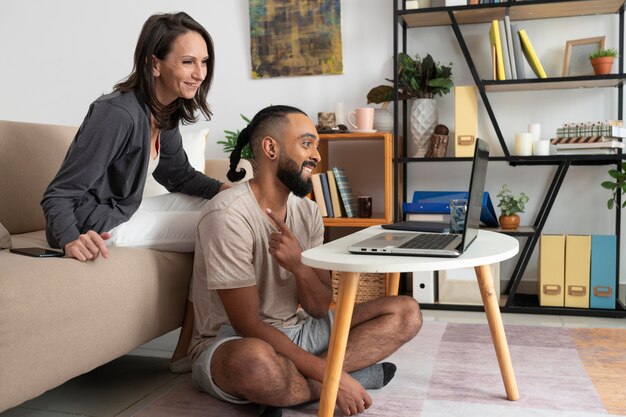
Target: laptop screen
x=476, y=192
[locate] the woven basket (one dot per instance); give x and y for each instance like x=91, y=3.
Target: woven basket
x=371, y=286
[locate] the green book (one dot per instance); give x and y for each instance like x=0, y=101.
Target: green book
x=345, y=192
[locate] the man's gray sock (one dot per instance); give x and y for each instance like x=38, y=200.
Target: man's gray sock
x=375, y=376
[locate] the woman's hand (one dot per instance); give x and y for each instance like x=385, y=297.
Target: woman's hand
x=88, y=246
x=224, y=187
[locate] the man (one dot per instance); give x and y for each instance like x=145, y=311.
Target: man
x=251, y=341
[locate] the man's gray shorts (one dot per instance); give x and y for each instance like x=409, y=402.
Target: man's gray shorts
x=312, y=335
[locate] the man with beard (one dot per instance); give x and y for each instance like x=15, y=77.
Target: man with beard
x=262, y=320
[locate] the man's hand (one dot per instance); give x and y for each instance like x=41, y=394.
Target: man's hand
x=284, y=246
x=352, y=398
x=88, y=246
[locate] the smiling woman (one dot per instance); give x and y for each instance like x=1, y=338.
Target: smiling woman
x=95, y=200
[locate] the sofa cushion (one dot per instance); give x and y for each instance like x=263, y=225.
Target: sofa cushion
x=60, y=318
x=5, y=238
x=194, y=144
x=30, y=156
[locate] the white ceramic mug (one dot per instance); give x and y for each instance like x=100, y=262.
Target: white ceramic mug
x=363, y=118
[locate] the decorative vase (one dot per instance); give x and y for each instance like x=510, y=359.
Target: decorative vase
x=422, y=121
x=383, y=120
x=510, y=222
x=602, y=65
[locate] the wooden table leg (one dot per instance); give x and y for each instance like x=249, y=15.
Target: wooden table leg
x=346, y=295
x=492, y=310
x=392, y=282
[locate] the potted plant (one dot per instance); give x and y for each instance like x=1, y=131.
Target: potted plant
x=619, y=184
x=422, y=80
x=230, y=141
x=510, y=205
x=602, y=60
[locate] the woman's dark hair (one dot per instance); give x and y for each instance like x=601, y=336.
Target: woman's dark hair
x=156, y=38
x=259, y=126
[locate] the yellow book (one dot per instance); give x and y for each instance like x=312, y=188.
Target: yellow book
x=530, y=54
x=577, y=270
x=319, y=194
x=334, y=194
x=496, y=40
x=465, y=119
x=551, y=270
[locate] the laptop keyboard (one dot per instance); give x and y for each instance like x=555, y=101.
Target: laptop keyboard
x=429, y=241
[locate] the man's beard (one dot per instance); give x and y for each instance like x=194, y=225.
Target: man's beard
x=289, y=174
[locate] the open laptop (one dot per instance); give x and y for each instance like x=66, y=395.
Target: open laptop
x=437, y=244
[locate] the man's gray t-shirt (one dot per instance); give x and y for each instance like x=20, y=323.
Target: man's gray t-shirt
x=232, y=252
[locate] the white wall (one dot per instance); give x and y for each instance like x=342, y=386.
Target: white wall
x=58, y=56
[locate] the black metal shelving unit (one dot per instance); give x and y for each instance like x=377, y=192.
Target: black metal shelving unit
x=455, y=17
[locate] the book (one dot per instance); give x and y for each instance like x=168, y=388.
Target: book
x=577, y=267
x=345, y=192
x=531, y=56
x=318, y=194
x=517, y=53
x=428, y=217
x=508, y=74
x=495, y=40
x=598, y=151
x=334, y=194
x=603, y=271
x=551, y=270
x=509, y=45
x=612, y=144
x=590, y=130
x=326, y=191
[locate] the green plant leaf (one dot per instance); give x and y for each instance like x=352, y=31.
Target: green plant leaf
x=380, y=94
x=610, y=204
x=609, y=185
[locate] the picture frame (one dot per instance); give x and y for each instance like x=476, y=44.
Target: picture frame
x=576, y=57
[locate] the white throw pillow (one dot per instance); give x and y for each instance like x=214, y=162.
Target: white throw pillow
x=194, y=144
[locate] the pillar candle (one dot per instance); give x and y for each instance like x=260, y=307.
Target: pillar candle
x=523, y=144
x=535, y=129
x=541, y=147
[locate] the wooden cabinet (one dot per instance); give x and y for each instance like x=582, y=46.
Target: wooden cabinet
x=367, y=159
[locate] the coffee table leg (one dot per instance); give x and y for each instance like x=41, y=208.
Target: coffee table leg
x=338, y=342
x=492, y=310
x=392, y=282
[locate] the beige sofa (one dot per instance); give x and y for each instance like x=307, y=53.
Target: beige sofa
x=60, y=318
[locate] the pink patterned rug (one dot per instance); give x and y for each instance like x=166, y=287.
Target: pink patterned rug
x=450, y=370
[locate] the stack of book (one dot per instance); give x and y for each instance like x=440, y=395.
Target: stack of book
x=333, y=194
x=434, y=206
x=590, y=138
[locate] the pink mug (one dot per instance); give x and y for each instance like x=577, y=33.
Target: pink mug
x=363, y=118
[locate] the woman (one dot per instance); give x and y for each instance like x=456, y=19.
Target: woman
x=95, y=200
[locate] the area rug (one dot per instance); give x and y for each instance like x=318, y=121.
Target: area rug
x=450, y=369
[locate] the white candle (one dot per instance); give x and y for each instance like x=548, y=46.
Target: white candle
x=541, y=147
x=535, y=130
x=523, y=144
x=340, y=114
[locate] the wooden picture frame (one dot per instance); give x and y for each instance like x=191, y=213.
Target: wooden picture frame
x=576, y=57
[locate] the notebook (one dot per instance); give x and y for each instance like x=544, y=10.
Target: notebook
x=437, y=244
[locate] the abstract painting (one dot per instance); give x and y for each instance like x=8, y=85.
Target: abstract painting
x=295, y=37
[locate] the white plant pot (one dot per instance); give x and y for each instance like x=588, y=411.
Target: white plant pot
x=422, y=122
x=383, y=120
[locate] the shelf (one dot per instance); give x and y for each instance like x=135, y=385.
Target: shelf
x=529, y=303
x=520, y=231
x=355, y=221
x=519, y=10
x=532, y=160
x=555, y=83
